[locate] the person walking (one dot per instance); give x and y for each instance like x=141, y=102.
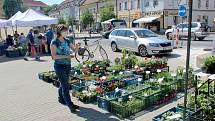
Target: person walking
x=38, y=43
x=49, y=37
x=31, y=43
x=61, y=54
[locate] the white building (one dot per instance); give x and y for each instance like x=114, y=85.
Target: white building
x=166, y=11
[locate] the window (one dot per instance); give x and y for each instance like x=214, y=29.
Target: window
x=146, y=3
x=129, y=34
x=132, y=5
x=194, y=25
x=155, y=2
x=145, y=33
x=120, y=6
x=114, y=33
x=94, y=10
x=126, y=6
x=199, y=3
x=138, y=3
x=207, y=3
x=214, y=3
x=121, y=33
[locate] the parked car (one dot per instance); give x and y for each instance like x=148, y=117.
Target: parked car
x=140, y=40
x=199, y=30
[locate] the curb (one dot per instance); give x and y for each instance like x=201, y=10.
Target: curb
x=94, y=37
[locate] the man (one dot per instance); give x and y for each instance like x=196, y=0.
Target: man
x=30, y=38
x=9, y=40
x=16, y=38
x=49, y=36
x=22, y=39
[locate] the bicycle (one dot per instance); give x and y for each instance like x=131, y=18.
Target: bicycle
x=84, y=54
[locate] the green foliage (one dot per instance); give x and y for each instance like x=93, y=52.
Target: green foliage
x=61, y=20
x=87, y=18
x=107, y=13
x=49, y=8
x=209, y=64
x=71, y=21
x=11, y=7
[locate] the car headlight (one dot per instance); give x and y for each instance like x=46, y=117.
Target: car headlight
x=154, y=44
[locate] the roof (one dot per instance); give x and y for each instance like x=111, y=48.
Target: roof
x=34, y=3
x=90, y=2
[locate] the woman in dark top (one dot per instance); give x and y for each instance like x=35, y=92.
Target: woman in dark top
x=9, y=40
x=61, y=54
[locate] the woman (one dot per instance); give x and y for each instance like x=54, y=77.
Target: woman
x=60, y=51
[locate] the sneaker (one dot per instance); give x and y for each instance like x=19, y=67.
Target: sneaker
x=61, y=101
x=26, y=59
x=73, y=108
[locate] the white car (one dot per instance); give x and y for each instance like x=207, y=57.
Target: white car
x=143, y=41
x=199, y=30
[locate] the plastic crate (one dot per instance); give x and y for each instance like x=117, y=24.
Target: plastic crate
x=130, y=79
x=104, y=102
x=87, y=98
x=12, y=53
x=41, y=76
x=81, y=85
x=124, y=111
x=175, y=110
x=22, y=52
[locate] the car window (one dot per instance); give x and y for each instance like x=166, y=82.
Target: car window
x=114, y=33
x=129, y=33
x=121, y=33
x=145, y=33
x=194, y=25
x=179, y=26
x=203, y=25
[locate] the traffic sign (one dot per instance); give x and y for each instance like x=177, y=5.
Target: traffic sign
x=182, y=10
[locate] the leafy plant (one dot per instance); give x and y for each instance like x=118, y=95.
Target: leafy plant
x=209, y=64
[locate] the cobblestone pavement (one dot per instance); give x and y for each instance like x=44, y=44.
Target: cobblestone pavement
x=23, y=97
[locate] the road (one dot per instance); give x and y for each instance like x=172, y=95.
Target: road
x=26, y=98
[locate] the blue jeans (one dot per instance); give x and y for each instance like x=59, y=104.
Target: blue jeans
x=63, y=72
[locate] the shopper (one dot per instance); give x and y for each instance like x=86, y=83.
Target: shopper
x=49, y=36
x=9, y=40
x=61, y=54
x=16, y=38
x=38, y=44
x=22, y=39
x=30, y=39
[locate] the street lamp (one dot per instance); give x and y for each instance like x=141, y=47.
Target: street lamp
x=188, y=57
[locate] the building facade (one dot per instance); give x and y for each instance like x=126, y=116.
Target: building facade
x=35, y=5
x=165, y=12
x=1, y=9
x=95, y=6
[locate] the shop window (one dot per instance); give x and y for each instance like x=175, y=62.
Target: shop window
x=132, y=5
x=126, y=6
x=199, y=3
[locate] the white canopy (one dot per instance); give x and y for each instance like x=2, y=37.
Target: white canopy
x=15, y=17
x=146, y=19
x=5, y=23
x=33, y=18
x=108, y=21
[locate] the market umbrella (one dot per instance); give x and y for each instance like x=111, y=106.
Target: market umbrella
x=34, y=18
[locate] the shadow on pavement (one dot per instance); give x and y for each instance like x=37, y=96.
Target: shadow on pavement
x=93, y=115
x=6, y=59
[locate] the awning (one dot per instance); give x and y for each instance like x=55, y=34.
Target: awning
x=108, y=21
x=146, y=19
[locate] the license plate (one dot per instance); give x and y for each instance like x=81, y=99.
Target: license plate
x=166, y=48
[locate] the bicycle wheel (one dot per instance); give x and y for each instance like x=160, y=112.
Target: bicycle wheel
x=103, y=53
x=83, y=57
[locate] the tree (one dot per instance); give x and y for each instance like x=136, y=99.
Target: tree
x=11, y=7
x=61, y=20
x=49, y=8
x=107, y=13
x=71, y=21
x=87, y=18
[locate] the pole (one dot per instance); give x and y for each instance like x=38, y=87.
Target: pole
x=188, y=57
x=129, y=18
x=116, y=8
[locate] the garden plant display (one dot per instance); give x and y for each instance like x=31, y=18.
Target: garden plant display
x=124, y=107
x=209, y=64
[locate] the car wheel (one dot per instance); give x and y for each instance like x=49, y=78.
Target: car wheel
x=168, y=35
x=114, y=47
x=193, y=37
x=201, y=38
x=142, y=51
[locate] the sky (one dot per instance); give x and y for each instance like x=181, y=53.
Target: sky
x=51, y=2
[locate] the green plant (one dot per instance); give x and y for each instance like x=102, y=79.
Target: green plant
x=209, y=64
